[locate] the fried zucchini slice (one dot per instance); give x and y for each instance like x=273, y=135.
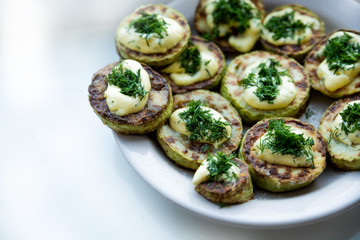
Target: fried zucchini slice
x=221, y=192
x=190, y=154
x=156, y=111
x=343, y=156
x=155, y=59
x=300, y=49
x=315, y=58
x=280, y=178
x=232, y=90
x=203, y=28
x=208, y=83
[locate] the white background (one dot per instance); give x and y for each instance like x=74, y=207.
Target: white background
x=61, y=174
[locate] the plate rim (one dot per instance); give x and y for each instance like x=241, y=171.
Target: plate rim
x=209, y=215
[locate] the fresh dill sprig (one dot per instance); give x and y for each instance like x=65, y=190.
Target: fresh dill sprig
x=309, y=113
x=219, y=164
x=128, y=81
x=149, y=25
x=201, y=124
x=284, y=26
x=340, y=53
x=235, y=13
x=267, y=81
x=333, y=134
x=282, y=141
x=190, y=59
x=351, y=118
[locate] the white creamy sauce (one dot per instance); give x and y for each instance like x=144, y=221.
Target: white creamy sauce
x=133, y=40
x=179, y=125
x=209, y=67
x=340, y=135
x=287, y=90
x=334, y=81
x=202, y=174
x=121, y=104
x=282, y=159
x=299, y=36
x=243, y=42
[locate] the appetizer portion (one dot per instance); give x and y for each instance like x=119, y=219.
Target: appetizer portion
x=223, y=179
x=263, y=84
x=202, y=122
x=154, y=34
x=340, y=127
x=291, y=30
x=283, y=154
x=334, y=64
x=130, y=97
x=234, y=25
x=200, y=66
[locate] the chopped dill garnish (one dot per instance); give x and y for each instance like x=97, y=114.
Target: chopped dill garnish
x=222, y=205
x=267, y=81
x=201, y=124
x=190, y=59
x=282, y=141
x=351, y=118
x=149, y=25
x=333, y=134
x=340, y=53
x=309, y=113
x=219, y=164
x=236, y=13
x=284, y=26
x=128, y=81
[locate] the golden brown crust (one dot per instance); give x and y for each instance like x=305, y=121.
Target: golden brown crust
x=155, y=59
x=150, y=112
x=295, y=50
x=312, y=62
x=208, y=83
x=275, y=177
x=222, y=42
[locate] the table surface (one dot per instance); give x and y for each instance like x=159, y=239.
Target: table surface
x=62, y=175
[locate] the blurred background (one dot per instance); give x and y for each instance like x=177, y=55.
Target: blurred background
x=61, y=174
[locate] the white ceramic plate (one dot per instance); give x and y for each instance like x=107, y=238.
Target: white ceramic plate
x=333, y=192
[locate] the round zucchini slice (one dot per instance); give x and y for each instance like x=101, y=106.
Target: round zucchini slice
x=315, y=58
x=280, y=178
x=156, y=111
x=203, y=28
x=190, y=154
x=210, y=82
x=232, y=90
x=154, y=59
x=343, y=156
x=229, y=193
x=297, y=51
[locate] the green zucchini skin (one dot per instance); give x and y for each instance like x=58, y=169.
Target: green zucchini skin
x=278, y=178
x=155, y=59
x=219, y=192
x=342, y=156
x=296, y=51
x=155, y=113
x=312, y=62
x=190, y=155
x=232, y=91
x=208, y=83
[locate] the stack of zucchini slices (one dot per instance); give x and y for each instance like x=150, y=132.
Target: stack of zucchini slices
x=179, y=87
